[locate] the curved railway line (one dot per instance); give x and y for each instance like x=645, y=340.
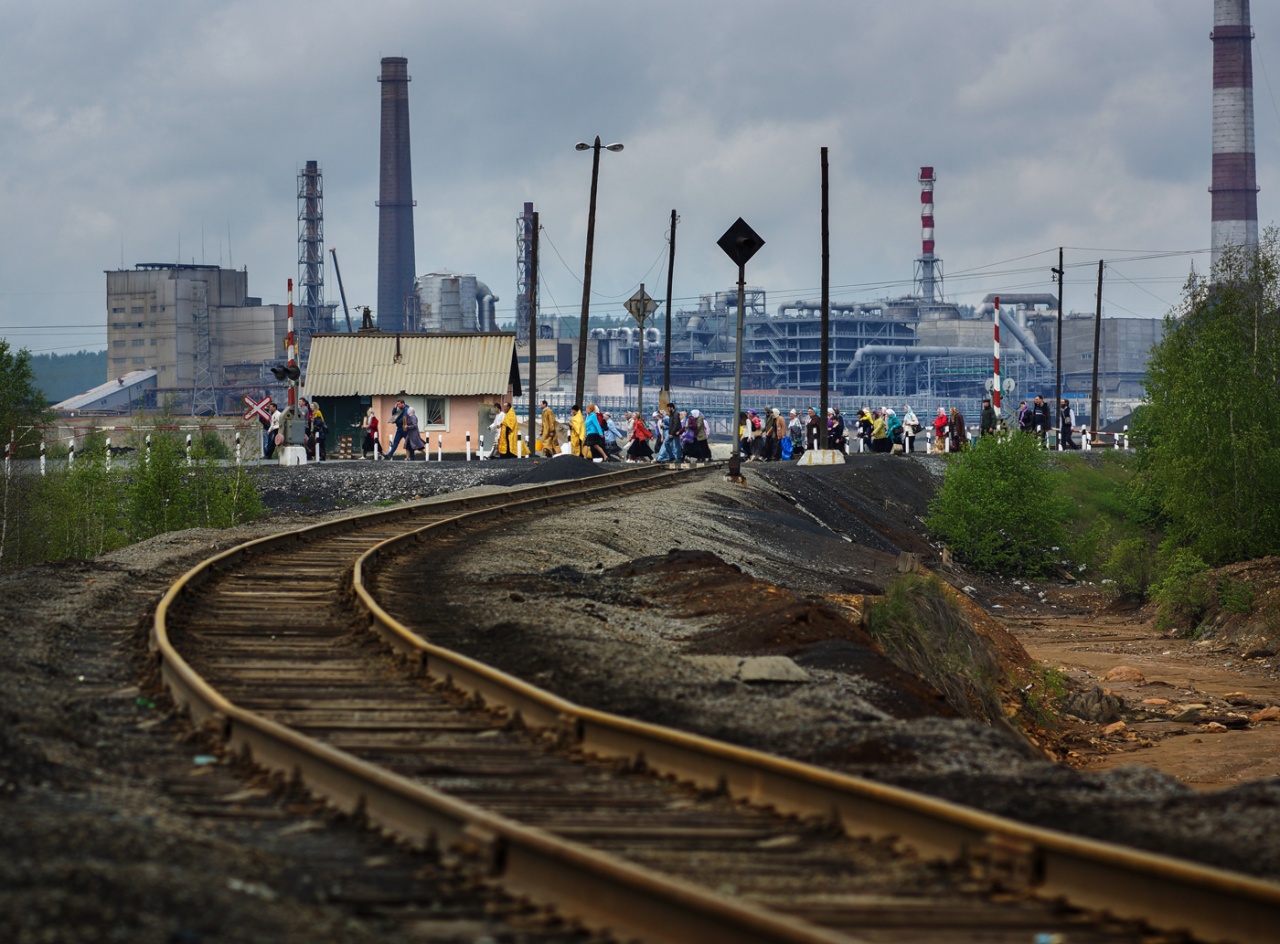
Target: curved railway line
x=622, y=826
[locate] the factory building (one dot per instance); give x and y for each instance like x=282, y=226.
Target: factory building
x=198, y=328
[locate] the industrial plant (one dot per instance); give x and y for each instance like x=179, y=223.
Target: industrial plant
x=193, y=338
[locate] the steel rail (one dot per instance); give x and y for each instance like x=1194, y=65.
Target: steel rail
x=607, y=892
x=1214, y=904
x=1168, y=893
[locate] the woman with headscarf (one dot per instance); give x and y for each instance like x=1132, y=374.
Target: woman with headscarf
x=940, y=430
x=880, y=441
x=894, y=427
x=641, y=447
x=835, y=431
x=372, y=445
x=593, y=442
x=959, y=439
x=700, y=449
x=412, y=437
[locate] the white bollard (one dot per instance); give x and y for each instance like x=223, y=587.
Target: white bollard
x=71, y=453
x=237, y=448
x=439, y=447
x=1126, y=437
x=108, y=465
x=482, y=455
x=519, y=448
x=468, y=445
x=188, y=449
x=147, y=458
x=42, y=469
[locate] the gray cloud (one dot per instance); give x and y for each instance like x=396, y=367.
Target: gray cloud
x=1085, y=124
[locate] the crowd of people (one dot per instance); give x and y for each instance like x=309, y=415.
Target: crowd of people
x=674, y=435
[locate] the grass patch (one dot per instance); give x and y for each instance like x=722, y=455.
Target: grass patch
x=925, y=632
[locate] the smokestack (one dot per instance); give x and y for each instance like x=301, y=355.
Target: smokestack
x=1235, y=177
x=395, y=199
x=928, y=266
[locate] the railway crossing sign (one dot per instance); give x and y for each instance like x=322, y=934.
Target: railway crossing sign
x=641, y=305
x=257, y=406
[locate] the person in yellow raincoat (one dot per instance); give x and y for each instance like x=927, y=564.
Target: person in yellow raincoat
x=509, y=434
x=549, y=435
x=577, y=430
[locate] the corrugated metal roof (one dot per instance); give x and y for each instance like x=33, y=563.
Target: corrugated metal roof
x=344, y=365
x=119, y=392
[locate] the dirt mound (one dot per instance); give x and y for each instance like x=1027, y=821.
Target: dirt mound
x=1244, y=607
x=746, y=616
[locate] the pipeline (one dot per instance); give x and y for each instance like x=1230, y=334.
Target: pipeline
x=1008, y=303
x=910, y=350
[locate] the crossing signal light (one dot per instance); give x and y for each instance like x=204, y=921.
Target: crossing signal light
x=285, y=372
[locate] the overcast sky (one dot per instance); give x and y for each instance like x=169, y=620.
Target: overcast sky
x=151, y=132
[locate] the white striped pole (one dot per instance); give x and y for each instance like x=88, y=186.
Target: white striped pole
x=439, y=447
x=237, y=447
x=468, y=445
x=482, y=455
x=995, y=390
x=188, y=449
x=108, y=465
x=71, y=453
x=42, y=468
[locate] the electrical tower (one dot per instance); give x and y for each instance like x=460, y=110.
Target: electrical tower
x=310, y=255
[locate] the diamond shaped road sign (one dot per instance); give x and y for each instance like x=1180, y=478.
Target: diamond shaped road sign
x=740, y=242
x=641, y=305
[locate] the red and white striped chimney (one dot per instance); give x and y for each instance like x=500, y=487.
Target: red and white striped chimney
x=928, y=267
x=1235, y=177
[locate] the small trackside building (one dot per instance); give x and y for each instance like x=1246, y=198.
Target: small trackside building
x=450, y=380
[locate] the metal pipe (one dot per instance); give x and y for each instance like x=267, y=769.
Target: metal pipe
x=910, y=350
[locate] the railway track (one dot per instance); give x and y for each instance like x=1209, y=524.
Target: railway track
x=639, y=830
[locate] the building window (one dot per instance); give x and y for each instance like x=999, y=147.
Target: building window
x=435, y=413
x=136, y=310
x=117, y=325
x=137, y=324
x=117, y=360
x=153, y=342
x=139, y=360
x=138, y=342
x=117, y=311
x=117, y=343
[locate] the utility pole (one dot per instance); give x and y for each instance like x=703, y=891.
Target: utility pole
x=533, y=333
x=826, y=314
x=665, y=396
x=1060, y=272
x=1097, y=335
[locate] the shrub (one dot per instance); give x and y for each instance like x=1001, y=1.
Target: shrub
x=1183, y=590
x=1132, y=565
x=1234, y=595
x=999, y=508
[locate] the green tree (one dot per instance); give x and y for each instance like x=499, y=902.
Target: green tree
x=1211, y=432
x=1000, y=507
x=22, y=404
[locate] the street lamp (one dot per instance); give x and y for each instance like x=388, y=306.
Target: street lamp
x=586, y=266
